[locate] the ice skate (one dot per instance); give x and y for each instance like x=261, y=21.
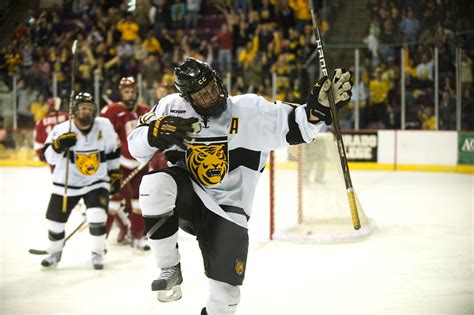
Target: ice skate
x=97, y=262
x=52, y=260
x=168, y=284
x=140, y=244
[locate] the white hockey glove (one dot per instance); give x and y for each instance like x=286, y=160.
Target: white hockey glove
x=318, y=101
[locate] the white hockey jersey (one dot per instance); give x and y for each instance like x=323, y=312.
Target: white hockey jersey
x=230, y=152
x=90, y=158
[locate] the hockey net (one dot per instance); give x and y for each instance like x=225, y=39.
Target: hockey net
x=308, y=195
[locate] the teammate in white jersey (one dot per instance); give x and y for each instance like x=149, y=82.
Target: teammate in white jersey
x=219, y=145
x=94, y=151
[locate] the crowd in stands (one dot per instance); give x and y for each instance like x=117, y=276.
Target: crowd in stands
x=419, y=27
x=248, y=39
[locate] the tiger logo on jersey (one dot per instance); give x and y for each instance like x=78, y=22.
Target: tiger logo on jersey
x=208, y=163
x=87, y=163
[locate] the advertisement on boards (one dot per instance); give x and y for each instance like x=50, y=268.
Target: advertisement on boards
x=361, y=146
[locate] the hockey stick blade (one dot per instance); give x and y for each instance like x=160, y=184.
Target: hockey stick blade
x=37, y=251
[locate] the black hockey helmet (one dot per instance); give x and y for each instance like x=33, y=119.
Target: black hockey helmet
x=83, y=97
x=201, y=86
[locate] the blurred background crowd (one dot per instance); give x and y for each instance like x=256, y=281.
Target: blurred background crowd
x=249, y=43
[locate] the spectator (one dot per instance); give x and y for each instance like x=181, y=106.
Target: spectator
x=247, y=55
x=128, y=29
x=378, y=97
x=161, y=90
x=39, y=108
x=26, y=55
x=111, y=19
x=95, y=36
x=151, y=70
x=224, y=55
x=467, y=110
x=160, y=16
x=267, y=12
x=427, y=119
x=26, y=97
x=409, y=27
x=139, y=50
x=241, y=5
x=387, y=39
x=192, y=40
x=177, y=13
x=13, y=61
x=447, y=86
x=286, y=17
x=141, y=16
x=152, y=45
x=447, y=112
x=3, y=65
x=6, y=105
x=359, y=94
x=373, y=45
x=124, y=49
x=466, y=71
x=6, y=138
x=424, y=72
x=302, y=13
x=192, y=12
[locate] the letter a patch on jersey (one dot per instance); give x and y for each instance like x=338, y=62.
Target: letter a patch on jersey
x=207, y=160
x=234, y=126
x=87, y=163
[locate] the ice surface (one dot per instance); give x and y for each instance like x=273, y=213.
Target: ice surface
x=418, y=261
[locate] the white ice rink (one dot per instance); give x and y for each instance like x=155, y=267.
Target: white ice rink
x=418, y=261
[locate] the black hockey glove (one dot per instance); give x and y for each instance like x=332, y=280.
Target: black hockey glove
x=64, y=142
x=167, y=131
x=116, y=178
x=318, y=101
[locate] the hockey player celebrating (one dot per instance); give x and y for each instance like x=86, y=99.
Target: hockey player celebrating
x=93, y=170
x=124, y=116
x=47, y=123
x=219, y=145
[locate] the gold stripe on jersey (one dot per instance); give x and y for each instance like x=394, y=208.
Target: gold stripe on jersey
x=145, y=119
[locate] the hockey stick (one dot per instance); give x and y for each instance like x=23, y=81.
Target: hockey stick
x=124, y=183
x=335, y=121
x=71, y=99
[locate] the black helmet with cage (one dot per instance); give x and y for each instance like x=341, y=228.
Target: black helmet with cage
x=202, y=87
x=84, y=98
